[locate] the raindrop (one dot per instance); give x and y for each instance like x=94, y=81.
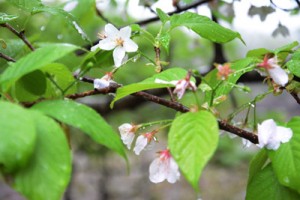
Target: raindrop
x=252, y=105
x=42, y=28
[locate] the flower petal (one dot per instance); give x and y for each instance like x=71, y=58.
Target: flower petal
x=140, y=144
x=265, y=131
x=283, y=134
x=94, y=48
x=173, y=172
x=100, y=83
x=129, y=45
x=125, y=32
x=107, y=44
x=118, y=55
x=111, y=30
x=156, y=171
x=278, y=75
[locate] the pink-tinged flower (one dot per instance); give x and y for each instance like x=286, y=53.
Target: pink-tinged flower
x=181, y=85
x=143, y=140
x=118, y=40
x=127, y=132
x=270, y=135
x=164, y=167
x=223, y=71
x=279, y=76
x=103, y=82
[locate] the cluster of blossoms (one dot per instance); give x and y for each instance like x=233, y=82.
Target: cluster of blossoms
x=223, y=71
x=162, y=168
x=119, y=40
x=181, y=85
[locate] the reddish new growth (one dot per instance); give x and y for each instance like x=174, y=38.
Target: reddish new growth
x=223, y=71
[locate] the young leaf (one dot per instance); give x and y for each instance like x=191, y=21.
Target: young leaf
x=49, y=169
x=84, y=118
x=33, y=61
x=286, y=160
x=264, y=185
x=149, y=83
x=162, y=15
x=204, y=27
x=28, y=5
x=6, y=18
x=193, y=138
x=17, y=137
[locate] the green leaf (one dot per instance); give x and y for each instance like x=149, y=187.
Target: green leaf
x=239, y=68
x=27, y=5
x=49, y=170
x=62, y=77
x=204, y=27
x=34, y=82
x=286, y=160
x=6, y=18
x=257, y=164
x=164, y=17
x=264, y=185
x=33, y=61
x=294, y=64
x=17, y=137
x=84, y=118
x=286, y=48
x=193, y=138
x=149, y=83
x=99, y=58
x=258, y=53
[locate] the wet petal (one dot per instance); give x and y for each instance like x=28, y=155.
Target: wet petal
x=156, y=171
x=173, y=172
x=279, y=76
x=107, y=44
x=130, y=46
x=118, y=55
x=265, y=131
x=283, y=134
x=100, y=83
x=125, y=32
x=111, y=30
x=141, y=143
x=94, y=48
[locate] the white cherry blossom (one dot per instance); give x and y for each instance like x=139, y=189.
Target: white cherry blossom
x=180, y=85
x=119, y=40
x=164, y=168
x=103, y=82
x=279, y=75
x=270, y=135
x=127, y=132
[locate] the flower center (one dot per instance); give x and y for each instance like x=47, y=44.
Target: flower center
x=119, y=41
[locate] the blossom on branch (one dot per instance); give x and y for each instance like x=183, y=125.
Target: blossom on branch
x=164, y=168
x=223, y=71
x=103, y=82
x=270, y=135
x=279, y=75
x=143, y=140
x=127, y=132
x=180, y=85
x=118, y=40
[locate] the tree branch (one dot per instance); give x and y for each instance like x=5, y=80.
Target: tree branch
x=296, y=97
x=20, y=34
x=6, y=57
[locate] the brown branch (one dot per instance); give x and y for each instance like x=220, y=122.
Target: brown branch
x=296, y=97
x=20, y=34
x=6, y=57
x=170, y=104
x=193, y=5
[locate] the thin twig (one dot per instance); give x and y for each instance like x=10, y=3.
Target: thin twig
x=20, y=34
x=6, y=57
